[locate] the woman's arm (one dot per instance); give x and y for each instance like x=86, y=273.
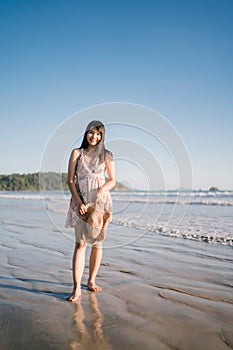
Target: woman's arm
x=71, y=175
x=111, y=182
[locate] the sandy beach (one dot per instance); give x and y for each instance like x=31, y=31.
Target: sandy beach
x=158, y=292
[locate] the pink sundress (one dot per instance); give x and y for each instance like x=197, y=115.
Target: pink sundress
x=89, y=179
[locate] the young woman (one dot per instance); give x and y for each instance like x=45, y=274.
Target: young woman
x=89, y=188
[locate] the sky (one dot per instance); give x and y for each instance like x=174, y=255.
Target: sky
x=174, y=57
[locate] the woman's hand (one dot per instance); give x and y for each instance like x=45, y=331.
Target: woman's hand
x=83, y=209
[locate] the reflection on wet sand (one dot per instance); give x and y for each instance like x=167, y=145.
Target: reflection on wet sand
x=88, y=326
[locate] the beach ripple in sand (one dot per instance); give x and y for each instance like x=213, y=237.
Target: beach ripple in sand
x=159, y=292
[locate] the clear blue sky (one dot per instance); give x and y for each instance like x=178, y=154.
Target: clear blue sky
x=59, y=56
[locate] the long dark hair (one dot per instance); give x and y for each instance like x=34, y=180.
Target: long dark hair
x=99, y=150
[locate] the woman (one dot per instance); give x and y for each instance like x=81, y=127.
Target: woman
x=89, y=189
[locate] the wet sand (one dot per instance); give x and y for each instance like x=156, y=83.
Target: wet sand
x=158, y=292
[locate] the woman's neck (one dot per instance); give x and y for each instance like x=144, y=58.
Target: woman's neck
x=89, y=148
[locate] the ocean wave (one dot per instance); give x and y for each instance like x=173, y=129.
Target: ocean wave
x=182, y=198
x=48, y=197
x=20, y=196
x=177, y=201
x=196, y=235
x=172, y=198
x=58, y=203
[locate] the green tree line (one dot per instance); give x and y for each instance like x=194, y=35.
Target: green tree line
x=50, y=181
x=34, y=182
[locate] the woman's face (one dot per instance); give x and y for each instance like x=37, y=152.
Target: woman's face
x=93, y=137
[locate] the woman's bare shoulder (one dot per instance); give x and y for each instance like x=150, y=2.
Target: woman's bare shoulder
x=108, y=155
x=75, y=152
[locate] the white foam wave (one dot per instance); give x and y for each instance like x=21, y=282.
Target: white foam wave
x=20, y=196
x=197, y=235
x=37, y=196
x=224, y=198
x=58, y=203
x=182, y=200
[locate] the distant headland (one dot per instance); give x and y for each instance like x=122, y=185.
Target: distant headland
x=50, y=181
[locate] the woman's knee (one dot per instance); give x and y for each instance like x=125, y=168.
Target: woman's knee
x=97, y=246
x=80, y=246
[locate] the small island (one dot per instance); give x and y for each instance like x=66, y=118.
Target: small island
x=214, y=189
x=120, y=187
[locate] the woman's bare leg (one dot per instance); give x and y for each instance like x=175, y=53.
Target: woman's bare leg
x=95, y=260
x=78, y=268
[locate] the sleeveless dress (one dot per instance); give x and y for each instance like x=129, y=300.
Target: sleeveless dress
x=88, y=179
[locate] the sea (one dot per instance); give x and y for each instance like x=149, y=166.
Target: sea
x=205, y=216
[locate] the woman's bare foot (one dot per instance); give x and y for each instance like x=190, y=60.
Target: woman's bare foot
x=93, y=287
x=75, y=296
